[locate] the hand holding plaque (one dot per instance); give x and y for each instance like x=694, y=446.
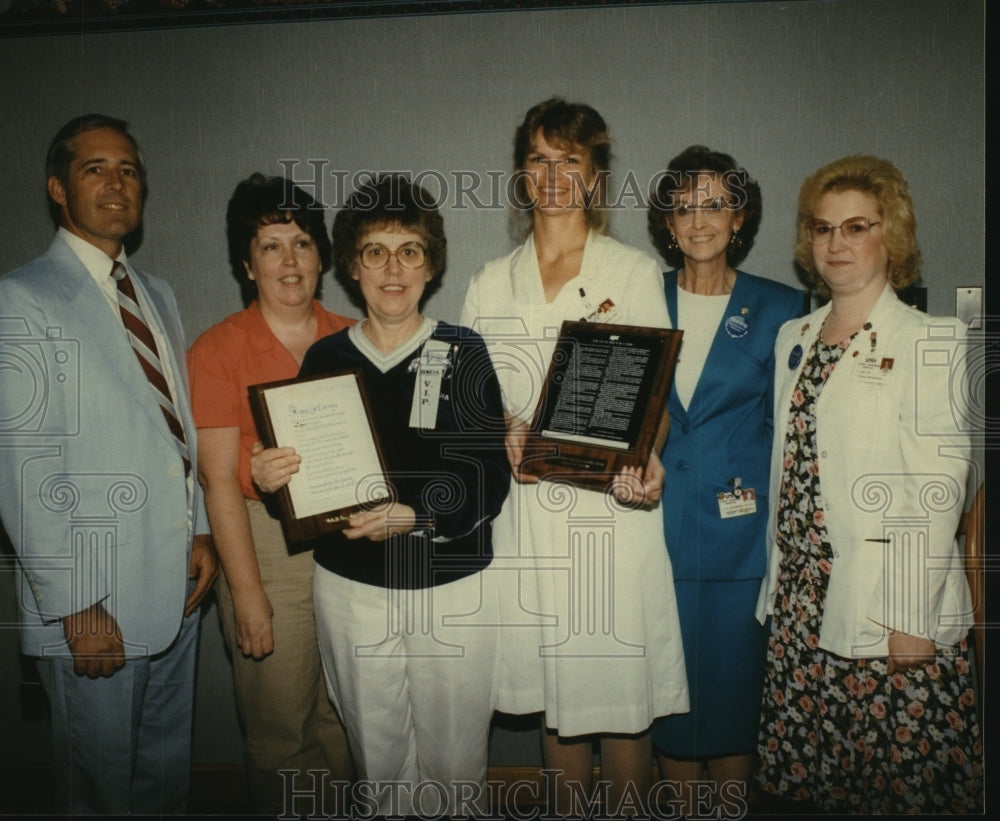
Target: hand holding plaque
x=602, y=403
x=327, y=421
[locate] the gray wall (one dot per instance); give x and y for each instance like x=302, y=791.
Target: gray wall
x=785, y=87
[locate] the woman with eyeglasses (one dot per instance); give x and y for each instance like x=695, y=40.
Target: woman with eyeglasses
x=278, y=252
x=868, y=703
x=406, y=615
x=589, y=635
x=703, y=218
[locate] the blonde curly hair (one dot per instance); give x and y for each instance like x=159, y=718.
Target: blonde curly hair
x=882, y=180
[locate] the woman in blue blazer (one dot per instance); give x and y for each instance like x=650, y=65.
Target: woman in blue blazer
x=703, y=219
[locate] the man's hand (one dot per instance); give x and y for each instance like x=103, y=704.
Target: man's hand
x=204, y=567
x=95, y=642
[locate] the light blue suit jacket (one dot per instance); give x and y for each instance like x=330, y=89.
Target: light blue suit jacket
x=92, y=487
x=724, y=433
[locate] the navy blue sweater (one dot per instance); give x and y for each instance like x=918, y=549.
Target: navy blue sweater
x=454, y=475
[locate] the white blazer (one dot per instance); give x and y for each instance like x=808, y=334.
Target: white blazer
x=893, y=442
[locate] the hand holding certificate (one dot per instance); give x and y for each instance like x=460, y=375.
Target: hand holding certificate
x=326, y=420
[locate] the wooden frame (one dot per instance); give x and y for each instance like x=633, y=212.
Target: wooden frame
x=593, y=419
x=325, y=410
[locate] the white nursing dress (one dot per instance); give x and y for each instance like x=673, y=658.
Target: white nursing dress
x=590, y=631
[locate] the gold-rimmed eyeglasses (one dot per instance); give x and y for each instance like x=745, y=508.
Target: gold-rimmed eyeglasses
x=853, y=230
x=375, y=255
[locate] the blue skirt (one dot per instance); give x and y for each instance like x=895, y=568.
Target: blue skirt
x=725, y=649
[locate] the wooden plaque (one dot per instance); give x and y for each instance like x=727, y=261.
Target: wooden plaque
x=603, y=399
x=327, y=420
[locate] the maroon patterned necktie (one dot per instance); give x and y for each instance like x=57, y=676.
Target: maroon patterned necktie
x=146, y=352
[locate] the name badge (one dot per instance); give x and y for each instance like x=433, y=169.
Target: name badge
x=874, y=369
x=741, y=502
x=607, y=312
x=427, y=391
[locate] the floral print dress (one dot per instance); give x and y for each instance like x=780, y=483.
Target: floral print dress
x=841, y=732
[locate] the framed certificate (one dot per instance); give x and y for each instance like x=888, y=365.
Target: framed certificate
x=328, y=421
x=602, y=402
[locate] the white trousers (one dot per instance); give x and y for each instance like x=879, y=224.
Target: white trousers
x=412, y=675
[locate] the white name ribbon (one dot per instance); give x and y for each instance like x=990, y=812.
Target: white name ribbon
x=427, y=391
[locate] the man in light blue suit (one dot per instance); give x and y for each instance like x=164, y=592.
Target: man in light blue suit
x=98, y=489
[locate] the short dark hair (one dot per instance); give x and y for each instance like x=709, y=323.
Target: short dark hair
x=565, y=124
x=260, y=200
x=883, y=181
x=387, y=200
x=62, y=152
x=680, y=176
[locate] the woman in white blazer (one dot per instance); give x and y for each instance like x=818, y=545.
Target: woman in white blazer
x=868, y=701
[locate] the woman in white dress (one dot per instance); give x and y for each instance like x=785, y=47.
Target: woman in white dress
x=591, y=634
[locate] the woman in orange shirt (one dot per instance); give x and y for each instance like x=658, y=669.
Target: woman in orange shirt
x=278, y=251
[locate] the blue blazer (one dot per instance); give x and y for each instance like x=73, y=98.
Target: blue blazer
x=92, y=487
x=725, y=433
